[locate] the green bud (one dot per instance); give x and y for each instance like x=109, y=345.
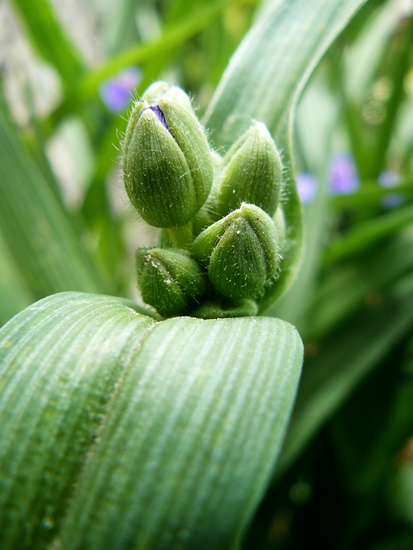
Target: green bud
x=167, y=163
x=253, y=173
x=169, y=280
x=240, y=252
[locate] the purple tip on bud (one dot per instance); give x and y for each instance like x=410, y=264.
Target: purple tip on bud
x=306, y=186
x=343, y=175
x=159, y=114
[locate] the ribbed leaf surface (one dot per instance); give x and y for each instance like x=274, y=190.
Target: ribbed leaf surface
x=121, y=432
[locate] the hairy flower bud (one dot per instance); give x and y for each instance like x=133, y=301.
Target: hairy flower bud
x=169, y=280
x=167, y=163
x=240, y=252
x=252, y=174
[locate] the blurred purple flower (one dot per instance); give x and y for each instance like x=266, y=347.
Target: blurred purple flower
x=392, y=200
x=389, y=179
x=343, y=178
x=116, y=93
x=306, y=186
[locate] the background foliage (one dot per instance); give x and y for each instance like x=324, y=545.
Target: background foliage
x=345, y=476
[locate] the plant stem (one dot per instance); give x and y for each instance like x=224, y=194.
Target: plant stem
x=182, y=236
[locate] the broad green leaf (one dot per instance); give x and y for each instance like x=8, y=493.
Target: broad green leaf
x=121, y=432
x=343, y=361
x=367, y=233
x=14, y=296
x=44, y=247
x=264, y=80
x=49, y=38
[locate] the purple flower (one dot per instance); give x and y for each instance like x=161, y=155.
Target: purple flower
x=116, y=93
x=343, y=178
x=392, y=200
x=306, y=186
x=389, y=179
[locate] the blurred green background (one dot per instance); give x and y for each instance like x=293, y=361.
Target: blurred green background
x=69, y=71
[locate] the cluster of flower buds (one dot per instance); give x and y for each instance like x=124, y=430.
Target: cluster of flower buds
x=220, y=217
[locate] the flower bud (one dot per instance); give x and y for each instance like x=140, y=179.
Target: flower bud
x=169, y=280
x=240, y=252
x=252, y=174
x=167, y=163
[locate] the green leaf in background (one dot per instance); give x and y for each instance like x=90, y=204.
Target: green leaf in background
x=140, y=54
x=122, y=432
x=370, y=194
x=367, y=233
x=39, y=237
x=346, y=286
x=315, y=124
x=344, y=360
x=49, y=39
x=400, y=542
x=264, y=80
x=14, y=296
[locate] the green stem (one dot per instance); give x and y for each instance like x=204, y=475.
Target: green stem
x=182, y=236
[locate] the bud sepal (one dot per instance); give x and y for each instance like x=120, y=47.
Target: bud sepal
x=252, y=173
x=169, y=280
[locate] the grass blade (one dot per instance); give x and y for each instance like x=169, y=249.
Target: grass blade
x=37, y=232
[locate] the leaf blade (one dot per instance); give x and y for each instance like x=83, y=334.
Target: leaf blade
x=36, y=229
x=49, y=38
x=199, y=406
x=277, y=56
